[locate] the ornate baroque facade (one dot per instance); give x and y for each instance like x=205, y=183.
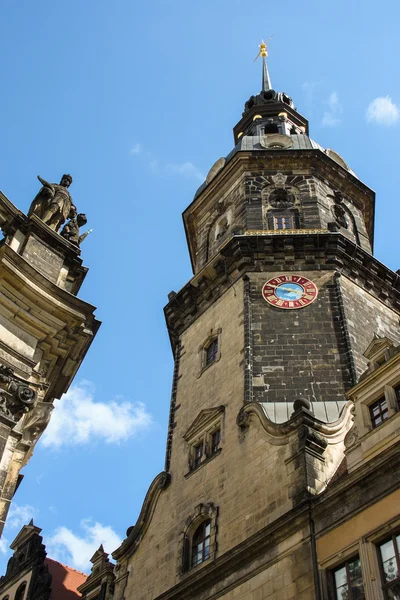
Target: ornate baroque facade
x=45, y=329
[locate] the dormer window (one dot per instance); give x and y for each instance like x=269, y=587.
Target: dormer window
x=379, y=412
x=204, y=437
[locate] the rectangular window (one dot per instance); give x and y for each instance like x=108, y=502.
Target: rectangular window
x=347, y=581
x=212, y=352
x=198, y=453
x=283, y=222
x=215, y=440
x=390, y=567
x=379, y=412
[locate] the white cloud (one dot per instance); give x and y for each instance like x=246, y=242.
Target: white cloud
x=331, y=117
x=383, y=111
x=4, y=544
x=186, y=169
x=76, y=550
x=78, y=419
x=19, y=515
x=136, y=149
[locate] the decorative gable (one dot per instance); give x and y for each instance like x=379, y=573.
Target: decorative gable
x=206, y=419
x=378, y=348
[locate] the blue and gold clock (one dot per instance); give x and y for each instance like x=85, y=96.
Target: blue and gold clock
x=289, y=291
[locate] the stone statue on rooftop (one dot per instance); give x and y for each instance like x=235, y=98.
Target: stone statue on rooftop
x=71, y=230
x=53, y=203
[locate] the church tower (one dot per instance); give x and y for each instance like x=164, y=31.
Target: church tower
x=268, y=336
x=45, y=329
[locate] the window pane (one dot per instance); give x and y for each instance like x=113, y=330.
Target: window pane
x=387, y=550
x=211, y=352
x=340, y=577
x=379, y=412
x=201, y=543
x=348, y=581
x=356, y=578
x=342, y=593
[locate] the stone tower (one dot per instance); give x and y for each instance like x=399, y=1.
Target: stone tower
x=45, y=329
x=268, y=336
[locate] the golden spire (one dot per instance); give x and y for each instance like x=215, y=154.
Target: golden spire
x=266, y=82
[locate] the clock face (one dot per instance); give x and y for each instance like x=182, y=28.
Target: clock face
x=289, y=291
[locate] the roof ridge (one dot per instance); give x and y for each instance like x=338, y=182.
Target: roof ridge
x=66, y=566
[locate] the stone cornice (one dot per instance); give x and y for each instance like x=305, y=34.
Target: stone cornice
x=19, y=267
x=265, y=252
x=137, y=531
x=279, y=433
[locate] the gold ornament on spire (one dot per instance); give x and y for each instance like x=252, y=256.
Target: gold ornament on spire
x=263, y=49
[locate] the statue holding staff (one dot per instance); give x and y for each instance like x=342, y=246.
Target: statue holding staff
x=53, y=203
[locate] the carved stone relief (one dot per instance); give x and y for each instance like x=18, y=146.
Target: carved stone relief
x=16, y=397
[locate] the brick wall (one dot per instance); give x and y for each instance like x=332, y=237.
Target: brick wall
x=366, y=315
x=298, y=352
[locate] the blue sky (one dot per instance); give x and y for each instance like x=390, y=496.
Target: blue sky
x=137, y=100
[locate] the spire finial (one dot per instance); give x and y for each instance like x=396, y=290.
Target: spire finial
x=266, y=81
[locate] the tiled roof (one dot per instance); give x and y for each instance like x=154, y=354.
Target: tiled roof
x=65, y=581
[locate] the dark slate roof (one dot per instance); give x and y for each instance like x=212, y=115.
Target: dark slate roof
x=249, y=143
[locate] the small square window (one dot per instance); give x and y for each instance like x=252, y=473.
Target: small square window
x=379, y=412
x=215, y=440
x=347, y=581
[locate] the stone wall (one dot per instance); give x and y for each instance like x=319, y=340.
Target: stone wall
x=241, y=481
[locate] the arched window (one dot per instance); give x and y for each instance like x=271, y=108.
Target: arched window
x=199, y=540
x=201, y=543
x=20, y=593
x=210, y=350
